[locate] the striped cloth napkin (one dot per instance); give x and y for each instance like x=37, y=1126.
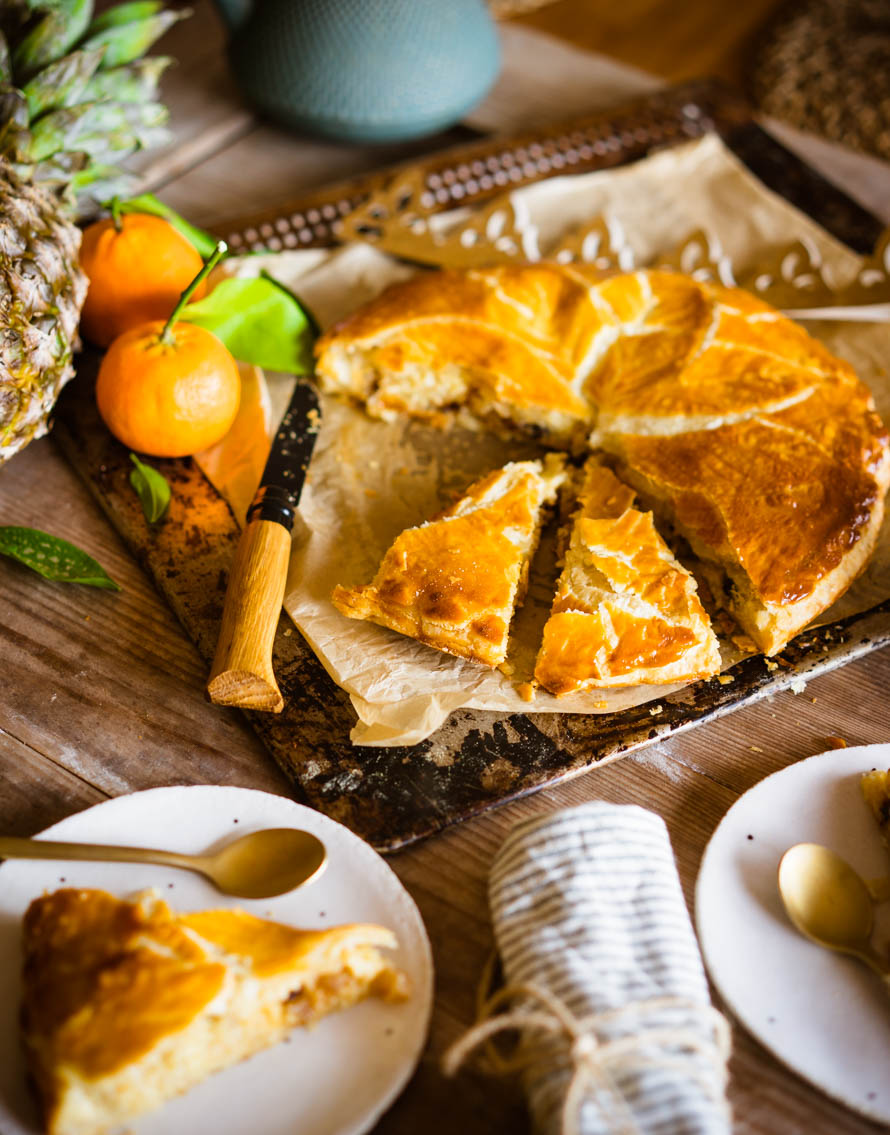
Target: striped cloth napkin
x=603, y=970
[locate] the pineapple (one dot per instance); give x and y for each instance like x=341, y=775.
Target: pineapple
x=76, y=98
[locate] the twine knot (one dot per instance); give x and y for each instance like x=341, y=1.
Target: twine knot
x=593, y=1062
x=584, y=1047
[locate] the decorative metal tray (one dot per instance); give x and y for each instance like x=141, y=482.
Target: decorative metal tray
x=477, y=760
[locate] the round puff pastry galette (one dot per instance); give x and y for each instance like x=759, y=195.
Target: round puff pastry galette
x=742, y=432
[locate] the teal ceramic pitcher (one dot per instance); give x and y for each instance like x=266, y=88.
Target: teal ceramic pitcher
x=363, y=70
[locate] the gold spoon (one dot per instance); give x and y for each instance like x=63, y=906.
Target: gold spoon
x=829, y=902
x=256, y=866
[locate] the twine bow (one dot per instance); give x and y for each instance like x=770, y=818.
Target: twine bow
x=594, y=1061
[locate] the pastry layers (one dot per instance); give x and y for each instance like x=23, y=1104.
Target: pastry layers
x=454, y=582
x=759, y=446
x=127, y=1003
x=625, y=611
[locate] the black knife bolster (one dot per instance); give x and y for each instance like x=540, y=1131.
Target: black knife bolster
x=272, y=503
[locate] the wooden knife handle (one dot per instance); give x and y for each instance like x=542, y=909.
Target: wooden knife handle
x=242, y=667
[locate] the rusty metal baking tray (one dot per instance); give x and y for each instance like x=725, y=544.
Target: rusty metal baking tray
x=393, y=796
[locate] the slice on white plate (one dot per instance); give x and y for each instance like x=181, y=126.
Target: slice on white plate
x=335, y=1078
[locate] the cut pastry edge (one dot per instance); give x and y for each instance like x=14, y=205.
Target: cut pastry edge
x=242, y=1014
x=771, y=625
x=453, y=393
x=620, y=619
x=455, y=582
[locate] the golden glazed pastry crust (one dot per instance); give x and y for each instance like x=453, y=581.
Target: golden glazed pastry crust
x=735, y=425
x=455, y=582
x=625, y=611
x=127, y=1003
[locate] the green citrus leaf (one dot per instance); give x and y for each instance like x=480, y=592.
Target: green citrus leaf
x=151, y=488
x=52, y=557
x=259, y=321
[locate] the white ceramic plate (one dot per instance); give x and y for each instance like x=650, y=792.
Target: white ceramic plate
x=823, y=1014
x=335, y=1079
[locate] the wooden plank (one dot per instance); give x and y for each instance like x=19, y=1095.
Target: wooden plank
x=35, y=792
x=104, y=683
x=848, y=704
x=544, y=80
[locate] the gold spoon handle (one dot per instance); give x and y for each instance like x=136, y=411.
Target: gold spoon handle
x=868, y=954
x=12, y=847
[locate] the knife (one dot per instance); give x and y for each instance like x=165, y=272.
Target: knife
x=242, y=666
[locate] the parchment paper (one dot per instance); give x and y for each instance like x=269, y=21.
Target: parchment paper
x=369, y=480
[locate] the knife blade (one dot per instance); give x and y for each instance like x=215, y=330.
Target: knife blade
x=242, y=671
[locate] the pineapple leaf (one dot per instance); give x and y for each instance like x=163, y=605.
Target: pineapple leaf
x=15, y=138
x=58, y=30
x=151, y=488
x=133, y=82
x=126, y=42
x=88, y=191
x=102, y=182
x=60, y=168
x=62, y=84
x=52, y=557
x=5, y=62
x=124, y=14
x=101, y=129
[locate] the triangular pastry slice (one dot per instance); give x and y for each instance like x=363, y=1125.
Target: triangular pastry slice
x=625, y=611
x=455, y=581
x=127, y=1004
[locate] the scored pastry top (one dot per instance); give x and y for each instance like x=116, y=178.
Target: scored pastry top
x=562, y=345
x=455, y=581
x=625, y=611
x=105, y=980
x=742, y=431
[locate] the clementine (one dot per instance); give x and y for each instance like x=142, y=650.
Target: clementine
x=137, y=266
x=168, y=398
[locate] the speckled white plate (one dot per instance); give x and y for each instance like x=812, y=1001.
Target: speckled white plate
x=335, y=1079
x=823, y=1014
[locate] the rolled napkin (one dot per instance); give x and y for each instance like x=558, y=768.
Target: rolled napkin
x=605, y=979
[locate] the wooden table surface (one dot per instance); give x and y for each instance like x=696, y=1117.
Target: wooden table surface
x=102, y=693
